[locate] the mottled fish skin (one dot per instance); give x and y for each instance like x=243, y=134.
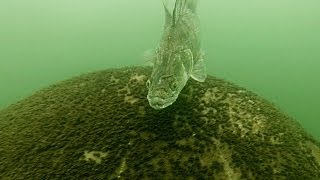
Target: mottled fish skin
x=178, y=56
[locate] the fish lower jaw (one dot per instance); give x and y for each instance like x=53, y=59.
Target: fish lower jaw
x=159, y=103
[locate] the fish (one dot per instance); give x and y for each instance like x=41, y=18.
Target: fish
x=178, y=55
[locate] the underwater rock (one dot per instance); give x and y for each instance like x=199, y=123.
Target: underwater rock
x=100, y=126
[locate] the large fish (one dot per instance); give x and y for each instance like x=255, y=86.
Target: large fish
x=178, y=56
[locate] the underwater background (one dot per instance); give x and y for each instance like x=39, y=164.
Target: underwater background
x=269, y=47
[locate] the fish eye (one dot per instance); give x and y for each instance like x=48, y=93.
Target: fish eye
x=174, y=86
x=148, y=84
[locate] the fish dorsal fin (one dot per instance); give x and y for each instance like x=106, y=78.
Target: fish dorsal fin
x=168, y=16
x=182, y=7
x=192, y=5
x=175, y=13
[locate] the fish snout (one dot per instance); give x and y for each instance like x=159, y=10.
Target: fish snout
x=160, y=98
x=160, y=93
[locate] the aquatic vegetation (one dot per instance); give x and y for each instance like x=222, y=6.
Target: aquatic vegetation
x=100, y=126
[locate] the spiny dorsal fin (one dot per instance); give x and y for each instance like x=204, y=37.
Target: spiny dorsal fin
x=174, y=14
x=181, y=7
x=168, y=16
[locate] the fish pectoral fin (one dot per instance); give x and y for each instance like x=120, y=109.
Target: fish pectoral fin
x=187, y=59
x=199, y=71
x=148, y=57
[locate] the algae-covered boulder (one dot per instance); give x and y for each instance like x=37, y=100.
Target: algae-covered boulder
x=100, y=126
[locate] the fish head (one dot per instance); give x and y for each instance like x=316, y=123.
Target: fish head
x=168, y=78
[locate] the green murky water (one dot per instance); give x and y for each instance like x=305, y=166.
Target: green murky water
x=270, y=47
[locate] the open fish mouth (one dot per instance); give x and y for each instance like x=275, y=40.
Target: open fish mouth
x=160, y=103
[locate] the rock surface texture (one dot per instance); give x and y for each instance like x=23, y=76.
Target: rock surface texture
x=100, y=126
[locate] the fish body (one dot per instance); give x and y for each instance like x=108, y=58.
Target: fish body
x=178, y=56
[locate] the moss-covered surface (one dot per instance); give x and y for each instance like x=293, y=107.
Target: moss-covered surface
x=100, y=126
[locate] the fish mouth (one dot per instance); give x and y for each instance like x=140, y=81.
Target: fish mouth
x=160, y=103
